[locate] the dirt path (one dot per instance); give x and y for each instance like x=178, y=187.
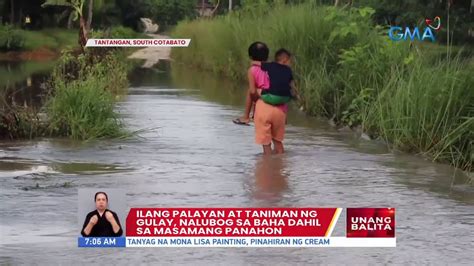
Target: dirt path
x=152, y=55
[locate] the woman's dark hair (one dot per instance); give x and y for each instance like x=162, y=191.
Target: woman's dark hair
x=281, y=52
x=100, y=192
x=258, y=51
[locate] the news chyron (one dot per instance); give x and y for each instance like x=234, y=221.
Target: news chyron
x=249, y=227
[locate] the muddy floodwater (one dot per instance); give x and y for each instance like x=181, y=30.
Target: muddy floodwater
x=190, y=154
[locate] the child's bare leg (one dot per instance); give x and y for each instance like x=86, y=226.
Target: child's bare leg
x=267, y=149
x=278, y=145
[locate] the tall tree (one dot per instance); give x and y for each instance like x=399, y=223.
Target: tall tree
x=89, y=14
x=12, y=9
x=76, y=6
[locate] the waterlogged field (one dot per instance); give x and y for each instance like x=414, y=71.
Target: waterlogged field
x=196, y=157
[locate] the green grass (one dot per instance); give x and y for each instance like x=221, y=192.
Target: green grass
x=50, y=38
x=417, y=98
x=118, y=32
x=82, y=110
x=429, y=110
x=81, y=104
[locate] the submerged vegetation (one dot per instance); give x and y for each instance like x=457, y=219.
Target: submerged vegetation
x=348, y=70
x=18, y=121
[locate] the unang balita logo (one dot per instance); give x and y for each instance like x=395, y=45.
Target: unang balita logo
x=370, y=222
x=397, y=33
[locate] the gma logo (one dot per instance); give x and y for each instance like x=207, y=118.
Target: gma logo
x=397, y=34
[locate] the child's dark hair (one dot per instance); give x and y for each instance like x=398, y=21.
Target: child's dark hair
x=282, y=52
x=258, y=51
x=101, y=192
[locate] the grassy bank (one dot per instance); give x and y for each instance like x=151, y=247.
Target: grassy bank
x=348, y=70
x=79, y=101
x=80, y=96
x=14, y=39
x=54, y=39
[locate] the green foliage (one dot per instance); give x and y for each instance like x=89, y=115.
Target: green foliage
x=348, y=70
x=117, y=32
x=11, y=38
x=428, y=109
x=164, y=12
x=53, y=38
x=76, y=5
x=107, y=13
x=356, y=112
x=169, y=12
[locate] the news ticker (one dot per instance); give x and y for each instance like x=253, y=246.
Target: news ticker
x=252, y=227
x=219, y=242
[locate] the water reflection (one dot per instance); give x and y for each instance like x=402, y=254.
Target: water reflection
x=416, y=173
x=271, y=179
x=221, y=90
x=21, y=82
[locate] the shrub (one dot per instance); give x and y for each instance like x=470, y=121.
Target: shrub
x=81, y=102
x=11, y=38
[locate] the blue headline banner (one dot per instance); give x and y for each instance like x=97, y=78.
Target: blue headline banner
x=101, y=242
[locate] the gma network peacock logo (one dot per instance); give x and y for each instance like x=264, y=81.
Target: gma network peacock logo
x=397, y=33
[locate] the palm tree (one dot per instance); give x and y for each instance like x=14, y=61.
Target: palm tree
x=12, y=8
x=89, y=14
x=76, y=6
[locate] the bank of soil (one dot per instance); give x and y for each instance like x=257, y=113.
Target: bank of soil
x=40, y=54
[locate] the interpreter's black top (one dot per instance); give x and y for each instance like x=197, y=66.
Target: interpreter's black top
x=102, y=228
x=280, y=79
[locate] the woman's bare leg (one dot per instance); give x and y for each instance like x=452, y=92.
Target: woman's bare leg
x=267, y=149
x=278, y=145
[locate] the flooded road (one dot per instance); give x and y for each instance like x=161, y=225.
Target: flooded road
x=192, y=155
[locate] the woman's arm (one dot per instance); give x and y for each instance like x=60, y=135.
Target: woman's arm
x=294, y=91
x=114, y=221
x=88, y=225
x=252, y=88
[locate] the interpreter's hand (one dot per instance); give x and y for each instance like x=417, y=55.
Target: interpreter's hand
x=93, y=220
x=109, y=216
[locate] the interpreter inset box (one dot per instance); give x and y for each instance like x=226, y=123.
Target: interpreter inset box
x=101, y=212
